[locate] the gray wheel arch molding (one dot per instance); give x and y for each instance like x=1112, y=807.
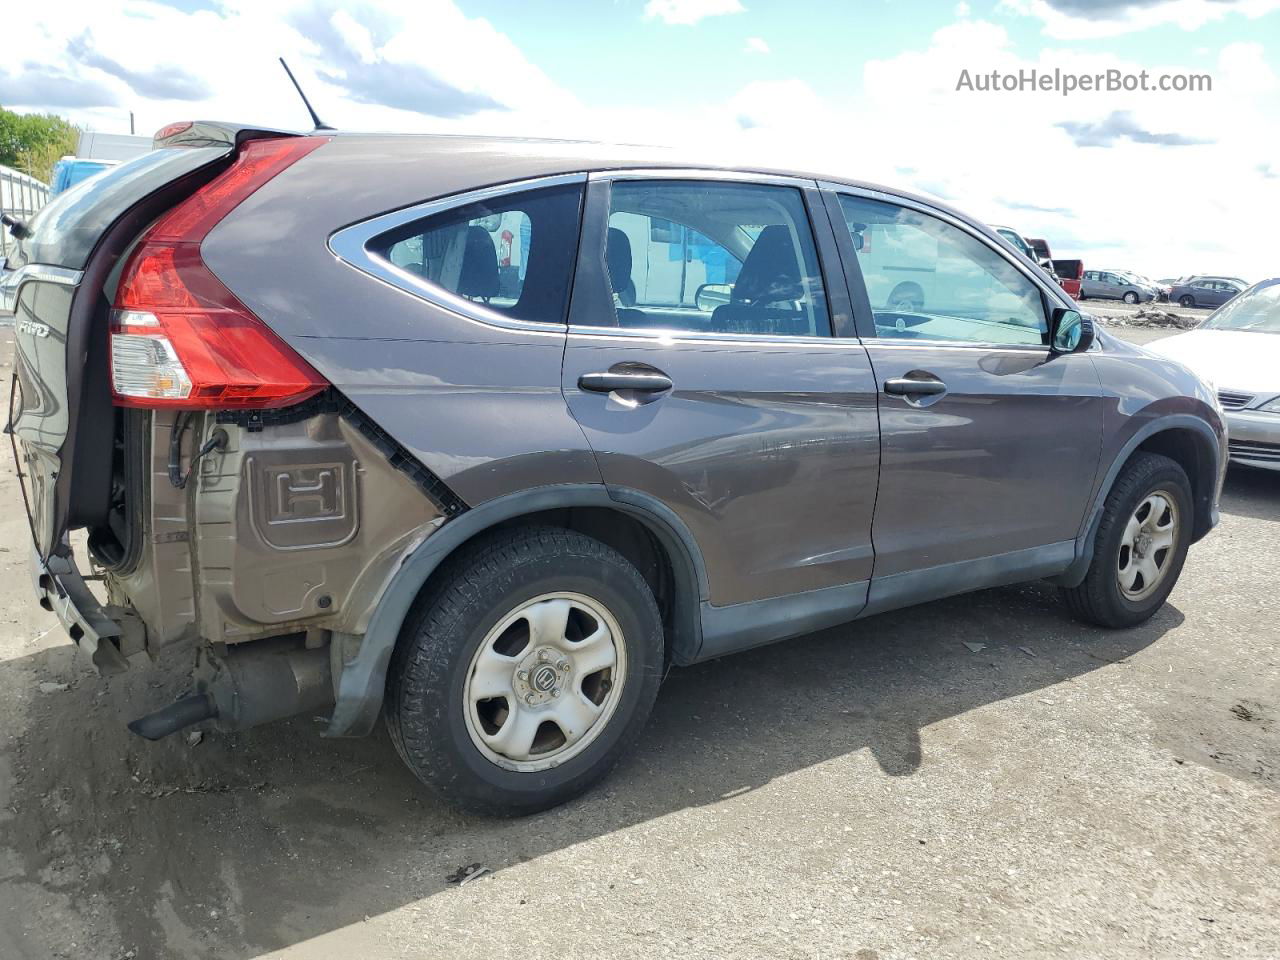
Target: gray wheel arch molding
x=363, y=678
x=1074, y=575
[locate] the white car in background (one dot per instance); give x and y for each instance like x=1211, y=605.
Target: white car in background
x=1237, y=349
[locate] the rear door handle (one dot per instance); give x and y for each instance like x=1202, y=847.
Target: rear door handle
x=654, y=382
x=907, y=386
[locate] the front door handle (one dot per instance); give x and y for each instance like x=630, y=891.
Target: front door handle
x=643, y=382
x=908, y=386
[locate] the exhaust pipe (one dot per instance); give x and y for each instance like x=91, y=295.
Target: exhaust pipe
x=243, y=687
x=177, y=715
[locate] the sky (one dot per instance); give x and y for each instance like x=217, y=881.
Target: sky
x=1164, y=183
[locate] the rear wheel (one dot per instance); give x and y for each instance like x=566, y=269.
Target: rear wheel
x=527, y=671
x=1140, y=547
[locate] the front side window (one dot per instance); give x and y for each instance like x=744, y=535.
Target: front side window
x=929, y=280
x=713, y=257
x=512, y=254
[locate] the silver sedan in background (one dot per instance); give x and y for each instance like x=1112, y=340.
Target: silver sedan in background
x=1238, y=350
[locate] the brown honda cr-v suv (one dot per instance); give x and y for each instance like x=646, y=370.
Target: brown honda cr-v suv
x=480, y=435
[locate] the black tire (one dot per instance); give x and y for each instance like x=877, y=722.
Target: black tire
x=424, y=706
x=1099, y=599
x=1130, y=297
x=1187, y=301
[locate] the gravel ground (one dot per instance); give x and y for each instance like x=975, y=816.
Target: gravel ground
x=873, y=791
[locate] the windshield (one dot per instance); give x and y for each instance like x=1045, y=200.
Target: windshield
x=1257, y=311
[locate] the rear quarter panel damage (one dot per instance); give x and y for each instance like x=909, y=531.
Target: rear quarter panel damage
x=293, y=527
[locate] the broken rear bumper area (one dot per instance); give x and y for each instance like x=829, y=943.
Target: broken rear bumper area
x=61, y=589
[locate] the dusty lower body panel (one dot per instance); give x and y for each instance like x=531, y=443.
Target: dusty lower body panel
x=286, y=530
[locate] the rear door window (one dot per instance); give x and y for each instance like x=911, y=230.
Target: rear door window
x=713, y=257
x=511, y=254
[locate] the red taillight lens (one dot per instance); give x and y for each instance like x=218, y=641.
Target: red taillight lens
x=179, y=337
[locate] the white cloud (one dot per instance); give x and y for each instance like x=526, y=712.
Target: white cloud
x=689, y=12
x=1005, y=157
x=1002, y=155
x=962, y=9
x=1089, y=19
x=756, y=45
x=353, y=60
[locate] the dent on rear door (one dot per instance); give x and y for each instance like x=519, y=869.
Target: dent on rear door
x=767, y=449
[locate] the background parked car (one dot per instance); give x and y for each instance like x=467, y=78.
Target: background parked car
x=1113, y=285
x=1066, y=273
x=1070, y=274
x=1204, y=292
x=1238, y=350
x=1019, y=243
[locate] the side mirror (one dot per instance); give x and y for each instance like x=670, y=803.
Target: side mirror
x=712, y=295
x=1070, y=331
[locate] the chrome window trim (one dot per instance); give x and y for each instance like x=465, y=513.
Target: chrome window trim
x=985, y=346
x=675, y=336
x=12, y=281
x=704, y=173
x=351, y=245
x=1054, y=291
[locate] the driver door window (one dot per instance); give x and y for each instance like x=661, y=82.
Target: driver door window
x=928, y=280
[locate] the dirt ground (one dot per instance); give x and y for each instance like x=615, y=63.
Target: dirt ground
x=875, y=791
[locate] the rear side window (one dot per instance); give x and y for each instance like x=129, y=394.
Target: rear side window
x=513, y=254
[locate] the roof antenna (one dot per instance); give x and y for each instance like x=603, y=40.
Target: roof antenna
x=319, y=124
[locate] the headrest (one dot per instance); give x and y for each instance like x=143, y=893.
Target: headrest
x=479, y=274
x=618, y=259
x=769, y=274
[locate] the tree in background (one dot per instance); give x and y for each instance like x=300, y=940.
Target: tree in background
x=33, y=142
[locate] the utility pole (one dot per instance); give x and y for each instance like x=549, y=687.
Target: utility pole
x=131, y=123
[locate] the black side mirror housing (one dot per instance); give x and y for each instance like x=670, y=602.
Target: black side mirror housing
x=1070, y=331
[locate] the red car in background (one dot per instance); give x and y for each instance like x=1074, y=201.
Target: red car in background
x=1070, y=276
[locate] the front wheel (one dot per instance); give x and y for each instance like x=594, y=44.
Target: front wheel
x=528, y=670
x=1130, y=297
x=1140, y=546
x=1186, y=302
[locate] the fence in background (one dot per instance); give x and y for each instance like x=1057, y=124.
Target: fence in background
x=20, y=196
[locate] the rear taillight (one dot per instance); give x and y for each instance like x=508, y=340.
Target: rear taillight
x=179, y=337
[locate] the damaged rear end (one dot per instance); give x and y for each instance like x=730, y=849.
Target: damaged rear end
x=231, y=498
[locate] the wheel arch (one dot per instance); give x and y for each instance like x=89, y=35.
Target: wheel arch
x=643, y=529
x=1187, y=440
